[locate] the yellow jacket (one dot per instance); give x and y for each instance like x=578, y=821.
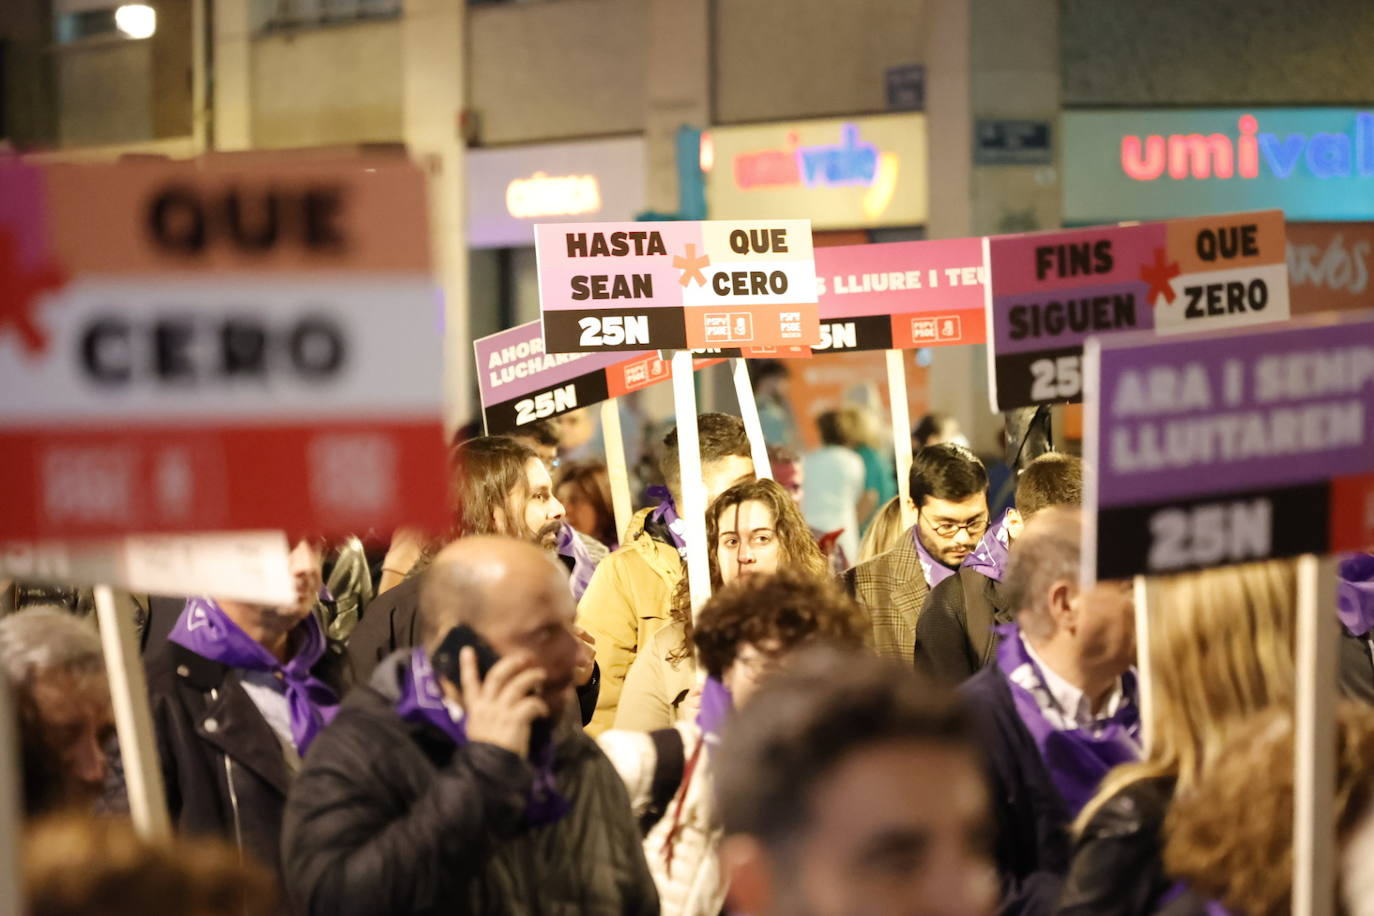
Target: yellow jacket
x=625, y=603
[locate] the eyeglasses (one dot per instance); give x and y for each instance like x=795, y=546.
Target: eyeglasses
x=974, y=528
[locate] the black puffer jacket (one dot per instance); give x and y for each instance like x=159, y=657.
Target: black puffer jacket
x=390, y=817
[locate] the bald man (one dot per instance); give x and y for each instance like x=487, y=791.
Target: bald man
x=429, y=796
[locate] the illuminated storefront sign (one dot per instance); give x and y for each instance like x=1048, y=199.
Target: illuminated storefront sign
x=509, y=189
x=1314, y=163
x=841, y=173
x=553, y=195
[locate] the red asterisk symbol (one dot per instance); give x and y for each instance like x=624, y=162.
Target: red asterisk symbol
x=20, y=289
x=1158, y=276
x=691, y=266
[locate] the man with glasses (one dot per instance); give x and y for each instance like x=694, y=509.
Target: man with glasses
x=949, y=492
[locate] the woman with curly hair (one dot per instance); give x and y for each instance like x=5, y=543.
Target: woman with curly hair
x=747, y=631
x=753, y=528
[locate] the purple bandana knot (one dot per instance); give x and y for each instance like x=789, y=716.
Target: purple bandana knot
x=666, y=514
x=422, y=702
x=206, y=630
x=1355, y=594
x=1076, y=760
x=717, y=704
x=989, y=558
x=571, y=546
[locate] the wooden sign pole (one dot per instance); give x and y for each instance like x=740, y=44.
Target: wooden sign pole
x=1142, y=591
x=11, y=808
x=693, y=508
x=901, y=433
x=1314, y=785
x=133, y=717
x=749, y=412
x=619, y=474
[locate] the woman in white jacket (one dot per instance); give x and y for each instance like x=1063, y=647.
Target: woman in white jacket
x=743, y=634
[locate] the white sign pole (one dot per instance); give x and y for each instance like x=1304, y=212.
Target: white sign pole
x=615, y=466
x=1314, y=786
x=693, y=508
x=11, y=811
x=133, y=717
x=1144, y=670
x=749, y=412
x=901, y=433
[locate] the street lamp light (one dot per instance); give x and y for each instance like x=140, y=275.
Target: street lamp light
x=136, y=20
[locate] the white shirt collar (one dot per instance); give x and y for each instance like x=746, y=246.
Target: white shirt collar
x=1065, y=705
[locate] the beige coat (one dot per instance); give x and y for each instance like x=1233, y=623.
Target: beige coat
x=625, y=603
x=892, y=588
x=655, y=683
x=687, y=872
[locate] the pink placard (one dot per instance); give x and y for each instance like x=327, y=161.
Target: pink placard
x=898, y=278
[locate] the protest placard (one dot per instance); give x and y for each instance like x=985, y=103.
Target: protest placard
x=1047, y=292
x=900, y=295
x=518, y=383
x=1228, y=449
x=676, y=285
x=217, y=346
x=1232, y=448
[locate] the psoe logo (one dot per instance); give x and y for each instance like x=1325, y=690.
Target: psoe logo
x=1252, y=153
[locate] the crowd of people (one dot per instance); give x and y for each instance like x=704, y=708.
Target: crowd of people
x=525, y=714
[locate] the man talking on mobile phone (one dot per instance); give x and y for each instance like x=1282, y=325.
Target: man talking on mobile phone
x=483, y=795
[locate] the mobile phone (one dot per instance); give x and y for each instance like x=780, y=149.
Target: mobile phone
x=445, y=659
x=445, y=662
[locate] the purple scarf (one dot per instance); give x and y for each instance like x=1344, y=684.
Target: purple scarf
x=422, y=702
x=1355, y=594
x=666, y=514
x=571, y=546
x=935, y=571
x=716, y=706
x=1076, y=760
x=990, y=556
x=206, y=630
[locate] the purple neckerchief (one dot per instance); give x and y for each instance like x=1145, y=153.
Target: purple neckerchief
x=206, y=630
x=571, y=546
x=1076, y=761
x=716, y=706
x=1355, y=594
x=1178, y=889
x=422, y=702
x=666, y=512
x=990, y=556
x=935, y=571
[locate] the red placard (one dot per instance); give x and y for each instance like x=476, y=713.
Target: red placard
x=219, y=345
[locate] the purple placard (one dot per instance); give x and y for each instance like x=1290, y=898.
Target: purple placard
x=512, y=363
x=1181, y=418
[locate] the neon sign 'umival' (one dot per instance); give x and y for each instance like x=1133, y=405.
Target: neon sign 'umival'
x=849, y=162
x=1180, y=156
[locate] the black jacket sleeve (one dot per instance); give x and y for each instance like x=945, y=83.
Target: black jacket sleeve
x=1117, y=863
x=388, y=624
x=1356, y=668
x=943, y=654
x=352, y=848
x=588, y=694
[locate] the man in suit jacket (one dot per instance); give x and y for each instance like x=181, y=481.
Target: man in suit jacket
x=949, y=492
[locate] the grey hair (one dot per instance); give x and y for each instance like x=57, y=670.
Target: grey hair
x=1049, y=550
x=46, y=637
